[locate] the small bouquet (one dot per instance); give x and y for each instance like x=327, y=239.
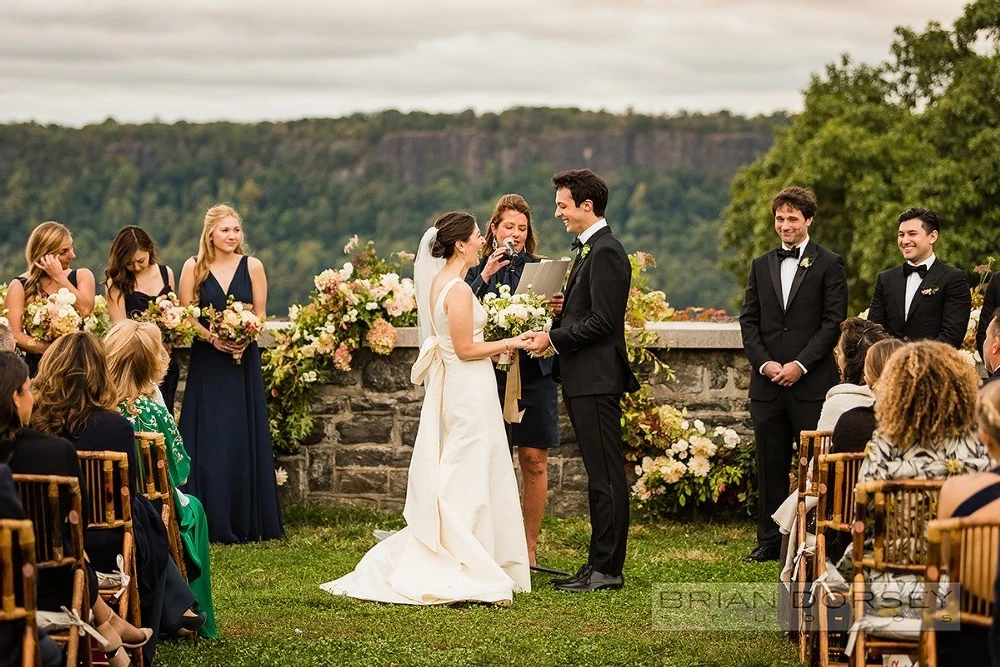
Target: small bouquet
x=236, y=324
x=52, y=317
x=173, y=319
x=99, y=320
x=510, y=315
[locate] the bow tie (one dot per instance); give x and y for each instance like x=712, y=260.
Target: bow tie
x=910, y=269
x=576, y=245
x=788, y=254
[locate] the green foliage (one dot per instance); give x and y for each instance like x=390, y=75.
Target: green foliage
x=271, y=610
x=303, y=187
x=920, y=129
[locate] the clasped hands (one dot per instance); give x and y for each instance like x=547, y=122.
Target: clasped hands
x=783, y=375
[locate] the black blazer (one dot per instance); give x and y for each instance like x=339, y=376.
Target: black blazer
x=10, y=502
x=806, y=332
x=34, y=453
x=991, y=301
x=481, y=288
x=589, y=336
x=942, y=315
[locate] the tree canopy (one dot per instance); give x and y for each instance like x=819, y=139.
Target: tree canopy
x=920, y=129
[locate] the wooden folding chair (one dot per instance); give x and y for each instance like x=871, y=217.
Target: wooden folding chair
x=107, y=478
x=961, y=551
x=837, y=475
x=898, y=517
x=52, y=504
x=17, y=562
x=156, y=487
x=812, y=444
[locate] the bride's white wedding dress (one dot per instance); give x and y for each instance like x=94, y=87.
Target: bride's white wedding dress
x=464, y=538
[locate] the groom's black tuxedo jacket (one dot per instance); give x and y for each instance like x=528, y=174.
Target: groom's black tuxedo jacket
x=940, y=314
x=589, y=336
x=807, y=331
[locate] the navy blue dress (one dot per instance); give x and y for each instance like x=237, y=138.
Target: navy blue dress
x=225, y=428
x=31, y=358
x=539, y=427
x=135, y=305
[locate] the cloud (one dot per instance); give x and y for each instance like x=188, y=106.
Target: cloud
x=79, y=61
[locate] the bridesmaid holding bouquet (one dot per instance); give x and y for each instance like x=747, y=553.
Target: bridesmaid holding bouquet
x=224, y=419
x=135, y=277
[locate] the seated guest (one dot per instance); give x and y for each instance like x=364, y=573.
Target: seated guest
x=991, y=346
x=7, y=342
x=924, y=298
x=29, y=452
x=991, y=302
x=856, y=337
x=975, y=495
x=137, y=362
x=855, y=427
x=76, y=399
x=925, y=416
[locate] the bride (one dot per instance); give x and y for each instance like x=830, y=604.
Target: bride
x=464, y=538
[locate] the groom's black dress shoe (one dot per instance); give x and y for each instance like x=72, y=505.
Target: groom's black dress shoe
x=584, y=571
x=593, y=581
x=763, y=553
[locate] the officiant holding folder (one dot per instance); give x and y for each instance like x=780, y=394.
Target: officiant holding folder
x=510, y=244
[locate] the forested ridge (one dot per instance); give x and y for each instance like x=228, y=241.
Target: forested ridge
x=304, y=187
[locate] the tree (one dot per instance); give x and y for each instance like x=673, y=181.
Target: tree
x=920, y=129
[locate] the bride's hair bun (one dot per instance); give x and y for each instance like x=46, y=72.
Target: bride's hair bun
x=452, y=227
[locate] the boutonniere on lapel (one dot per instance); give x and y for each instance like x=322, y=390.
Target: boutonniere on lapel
x=805, y=262
x=933, y=289
x=584, y=251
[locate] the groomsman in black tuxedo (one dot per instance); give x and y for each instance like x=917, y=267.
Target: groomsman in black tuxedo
x=592, y=364
x=923, y=298
x=795, y=300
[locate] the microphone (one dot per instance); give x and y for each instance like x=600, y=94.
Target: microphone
x=509, y=244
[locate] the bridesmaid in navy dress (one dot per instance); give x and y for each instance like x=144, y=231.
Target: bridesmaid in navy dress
x=49, y=254
x=224, y=414
x=539, y=428
x=135, y=277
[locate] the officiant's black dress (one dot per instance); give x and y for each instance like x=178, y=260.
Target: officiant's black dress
x=539, y=427
x=135, y=305
x=224, y=425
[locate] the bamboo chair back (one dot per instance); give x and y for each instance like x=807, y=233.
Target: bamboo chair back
x=18, y=584
x=53, y=505
x=156, y=486
x=812, y=445
x=901, y=510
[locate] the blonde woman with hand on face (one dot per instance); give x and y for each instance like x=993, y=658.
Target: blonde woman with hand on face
x=49, y=254
x=224, y=419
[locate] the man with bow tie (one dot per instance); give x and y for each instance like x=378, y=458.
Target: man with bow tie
x=795, y=300
x=592, y=362
x=923, y=298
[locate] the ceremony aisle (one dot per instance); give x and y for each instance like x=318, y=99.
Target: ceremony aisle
x=270, y=609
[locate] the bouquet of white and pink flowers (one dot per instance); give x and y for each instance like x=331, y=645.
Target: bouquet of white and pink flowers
x=173, y=319
x=236, y=324
x=47, y=319
x=510, y=315
x=99, y=320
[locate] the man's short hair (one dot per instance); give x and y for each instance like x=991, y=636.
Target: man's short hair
x=994, y=324
x=7, y=343
x=583, y=184
x=928, y=218
x=802, y=199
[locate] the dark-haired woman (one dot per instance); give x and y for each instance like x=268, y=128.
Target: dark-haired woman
x=30, y=452
x=135, y=277
x=856, y=337
x=464, y=537
x=49, y=253
x=76, y=399
x=538, y=430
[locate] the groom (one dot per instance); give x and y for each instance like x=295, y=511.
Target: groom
x=589, y=340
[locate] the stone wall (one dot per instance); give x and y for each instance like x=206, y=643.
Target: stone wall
x=366, y=420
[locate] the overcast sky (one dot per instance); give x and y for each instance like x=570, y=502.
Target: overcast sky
x=80, y=61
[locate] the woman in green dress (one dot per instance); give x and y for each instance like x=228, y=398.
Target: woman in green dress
x=138, y=361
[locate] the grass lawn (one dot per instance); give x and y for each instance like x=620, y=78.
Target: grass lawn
x=271, y=611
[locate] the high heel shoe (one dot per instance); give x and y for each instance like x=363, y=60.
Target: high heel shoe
x=113, y=648
x=185, y=625
x=147, y=634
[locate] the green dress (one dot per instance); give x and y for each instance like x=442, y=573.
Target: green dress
x=148, y=415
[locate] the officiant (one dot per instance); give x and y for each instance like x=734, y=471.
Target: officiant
x=510, y=244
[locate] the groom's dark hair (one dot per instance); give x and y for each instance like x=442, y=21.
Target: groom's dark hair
x=584, y=184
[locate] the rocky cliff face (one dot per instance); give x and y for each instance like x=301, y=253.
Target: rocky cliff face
x=417, y=157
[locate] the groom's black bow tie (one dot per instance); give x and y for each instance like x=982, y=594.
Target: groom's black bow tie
x=909, y=269
x=788, y=254
x=576, y=245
